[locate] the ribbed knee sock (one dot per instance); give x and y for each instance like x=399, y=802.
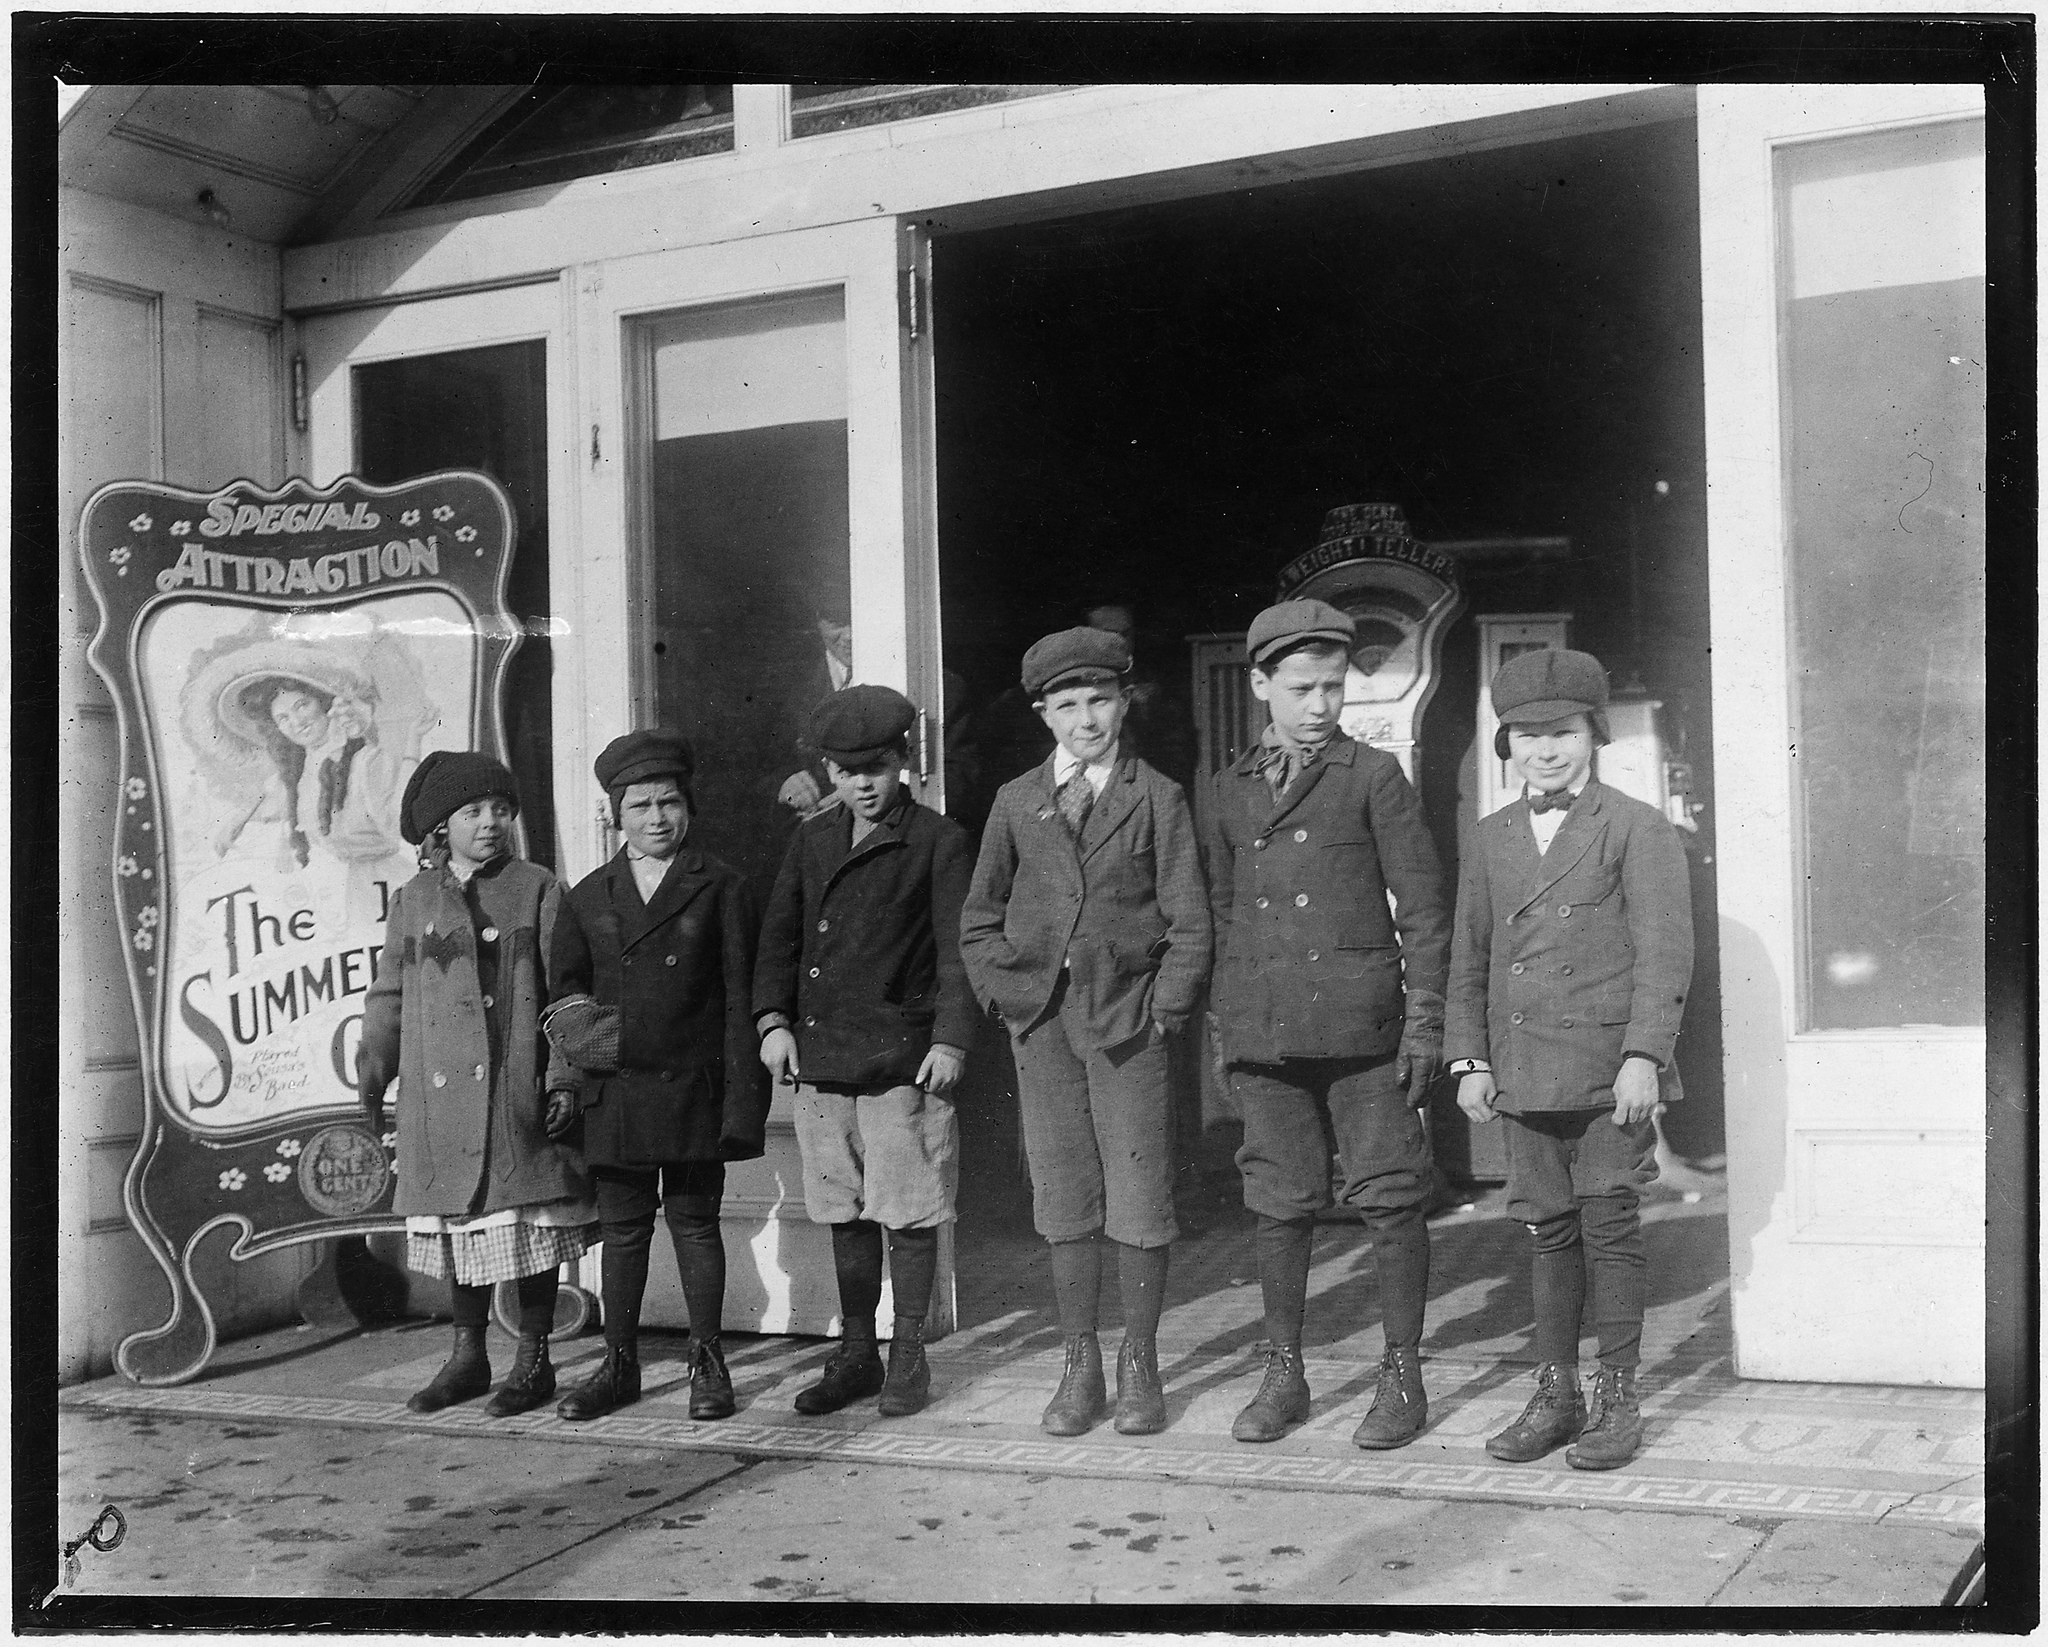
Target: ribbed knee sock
x=1401, y=1251
x=625, y=1283
x=1077, y=1283
x=1557, y=1279
x=1283, y=1245
x=700, y=1262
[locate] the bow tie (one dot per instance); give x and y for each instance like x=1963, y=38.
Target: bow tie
x=1560, y=801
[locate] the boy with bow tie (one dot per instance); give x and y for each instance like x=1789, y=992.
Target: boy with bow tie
x=1087, y=928
x=1331, y=1006
x=1569, y=965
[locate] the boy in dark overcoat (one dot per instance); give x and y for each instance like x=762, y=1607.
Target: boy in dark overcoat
x=1087, y=928
x=1331, y=1007
x=1572, y=956
x=865, y=1010
x=490, y=1188
x=660, y=942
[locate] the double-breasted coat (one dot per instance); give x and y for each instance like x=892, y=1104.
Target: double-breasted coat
x=472, y=1133
x=1125, y=905
x=860, y=946
x=1310, y=962
x=1565, y=961
x=679, y=968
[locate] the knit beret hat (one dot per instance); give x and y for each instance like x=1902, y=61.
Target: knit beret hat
x=447, y=779
x=1086, y=655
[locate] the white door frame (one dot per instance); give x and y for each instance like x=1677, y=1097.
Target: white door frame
x=1880, y=1293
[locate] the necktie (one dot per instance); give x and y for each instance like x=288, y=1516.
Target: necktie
x=1077, y=800
x=1558, y=802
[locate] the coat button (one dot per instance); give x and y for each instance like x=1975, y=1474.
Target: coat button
x=1301, y=900
x=669, y=961
x=1516, y=969
x=1301, y=834
x=810, y=1023
x=1564, y=912
x=668, y=1075
x=479, y=1072
x=1568, y=1023
x=1567, y=971
x=1260, y=843
x=488, y=1002
x=1315, y=955
x=490, y=934
x=824, y=925
x=1260, y=903
x=814, y=972
x=1516, y=1019
x=440, y=1080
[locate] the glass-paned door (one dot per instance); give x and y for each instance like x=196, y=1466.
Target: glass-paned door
x=1842, y=245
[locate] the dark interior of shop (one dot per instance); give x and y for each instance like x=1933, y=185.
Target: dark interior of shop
x=1156, y=406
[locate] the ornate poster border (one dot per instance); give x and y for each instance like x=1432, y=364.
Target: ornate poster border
x=311, y=556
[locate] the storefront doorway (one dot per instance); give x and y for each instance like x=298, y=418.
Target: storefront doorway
x=1146, y=413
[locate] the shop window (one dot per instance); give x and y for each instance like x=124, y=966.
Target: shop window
x=1882, y=338
x=818, y=109
x=553, y=134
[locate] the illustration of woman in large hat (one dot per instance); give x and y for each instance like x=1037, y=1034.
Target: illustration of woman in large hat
x=309, y=744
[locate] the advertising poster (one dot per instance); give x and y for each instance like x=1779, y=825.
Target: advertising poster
x=280, y=661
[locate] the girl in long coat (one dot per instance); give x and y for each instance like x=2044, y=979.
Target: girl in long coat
x=489, y=1190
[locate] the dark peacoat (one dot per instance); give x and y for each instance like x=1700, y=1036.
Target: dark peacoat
x=468, y=1124
x=1564, y=961
x=860, y=946
x=1310, y=962
x=1126, y=904
x=690, y=1086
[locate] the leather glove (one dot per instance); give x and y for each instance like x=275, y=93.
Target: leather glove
x=373, y=1111
x=1420, y=1059
x=563, y=1108
x=584, y=1033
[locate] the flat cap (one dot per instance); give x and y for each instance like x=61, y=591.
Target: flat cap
x=1088, y=656
x=652, y=752
x=861, y=723
x=1548, y=685
x=1294, y=621
x=445, y=781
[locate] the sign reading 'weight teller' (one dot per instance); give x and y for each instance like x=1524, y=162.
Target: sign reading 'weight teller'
x=280, y=661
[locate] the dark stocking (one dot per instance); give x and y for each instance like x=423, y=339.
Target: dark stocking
x=1141, y=1281
x=472, y=1304
x=1077, y=1283
x=913, y=1262
x=1401, y=1247
x=1614, y=1263
x=700, y=1261
x=537, y=1303
x=1557, y=1278
x=857, y=1259
x=1283, y=1250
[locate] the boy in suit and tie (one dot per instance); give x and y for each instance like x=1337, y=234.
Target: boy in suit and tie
x=865, y=1010
x=1569, y=965
x=657, y=949
x=1331, y=1007
x=1087, y=928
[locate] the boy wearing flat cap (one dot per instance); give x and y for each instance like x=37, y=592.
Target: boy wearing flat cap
x=865, y=1010
x=1087, y=928
x=1331, y=1005
x=659, y=944
x=490, y=1187
x=1569, y=967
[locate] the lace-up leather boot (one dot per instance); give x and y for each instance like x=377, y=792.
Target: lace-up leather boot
x=1614, y=1434
x=1140, y=1397
x=1282, y=1399
x=1076, y=1406
x=855, y=1371
x=908, y=1385
x=710, y=1383
x=1554, y=1415
x=1400, y=1407
x=465, y=1375
x=530, y=1382
x=615, y=1384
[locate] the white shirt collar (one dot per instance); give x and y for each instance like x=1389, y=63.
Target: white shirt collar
x=1064, y=766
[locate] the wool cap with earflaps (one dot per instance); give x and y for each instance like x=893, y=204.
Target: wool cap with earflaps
x=638, y=757
x=447, y=779
x=1076, y=657
x=1294, y=621
x=860, y=724
x=1548, y=685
